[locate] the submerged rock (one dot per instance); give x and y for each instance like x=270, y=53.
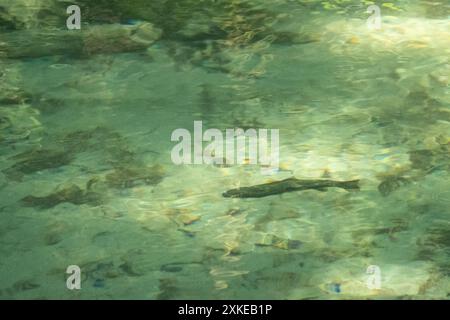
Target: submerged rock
x=3, y=181
x=24, y=285
x=18, y=122
x=26, y=14
x=167, y=289
x=55, y=233
x=429, y=159
x=37, y=160
x=98, y=272
x=13, y=96
x=187, y=218
x=134, y=176
x=89, y=41
x=271, y=240
x=391, y=184
x=437, y=237
x=72, y=194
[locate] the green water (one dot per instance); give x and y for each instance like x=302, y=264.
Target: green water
x=87, y=179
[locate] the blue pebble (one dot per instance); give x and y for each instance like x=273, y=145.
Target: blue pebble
x=99, y=283
x=335, y=287
x=132, y=21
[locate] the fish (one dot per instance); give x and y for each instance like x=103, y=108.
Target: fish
x=288, y=185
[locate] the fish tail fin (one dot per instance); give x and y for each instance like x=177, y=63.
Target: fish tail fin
x=350, y=185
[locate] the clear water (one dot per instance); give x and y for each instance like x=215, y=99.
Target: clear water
x=87, y=177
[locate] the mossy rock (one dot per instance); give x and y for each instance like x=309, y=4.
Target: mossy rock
x=71, y=194
x=37, y=160
x=25, y=14
x=390, y=184
x=129, y=177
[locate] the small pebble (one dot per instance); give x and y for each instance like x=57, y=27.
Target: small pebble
x=171, y=268
x=335, y=287
x=99, y=283
x=187, y=218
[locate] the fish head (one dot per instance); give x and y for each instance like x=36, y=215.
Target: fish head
x=233, y=193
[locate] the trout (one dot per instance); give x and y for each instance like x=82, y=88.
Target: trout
x=288, y=185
